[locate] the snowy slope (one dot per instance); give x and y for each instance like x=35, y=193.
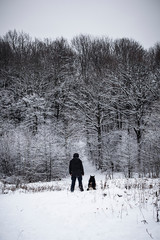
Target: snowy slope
x=124, y=209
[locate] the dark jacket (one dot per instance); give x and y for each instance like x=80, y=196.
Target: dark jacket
x=76, y=167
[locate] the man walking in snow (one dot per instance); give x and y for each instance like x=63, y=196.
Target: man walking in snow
x=76, y=171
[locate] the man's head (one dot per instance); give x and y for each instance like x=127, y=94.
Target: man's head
x=75, y=155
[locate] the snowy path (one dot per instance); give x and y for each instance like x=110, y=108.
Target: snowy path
x=61, y=215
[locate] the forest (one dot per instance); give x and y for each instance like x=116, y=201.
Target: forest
x=93, y=95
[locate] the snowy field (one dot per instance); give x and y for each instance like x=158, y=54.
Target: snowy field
x=118, y=209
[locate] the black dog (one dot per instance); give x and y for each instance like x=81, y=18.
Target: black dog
x=91, y=183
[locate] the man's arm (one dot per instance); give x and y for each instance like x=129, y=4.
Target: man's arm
x=82, y=169
x=70, y=168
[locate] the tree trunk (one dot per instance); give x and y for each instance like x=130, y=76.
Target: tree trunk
x=99, y=131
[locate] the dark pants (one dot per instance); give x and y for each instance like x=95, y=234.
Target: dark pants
x=74, y=181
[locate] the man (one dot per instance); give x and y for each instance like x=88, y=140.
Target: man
x=76, y=171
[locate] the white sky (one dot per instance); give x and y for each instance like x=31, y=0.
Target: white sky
x=136, y=19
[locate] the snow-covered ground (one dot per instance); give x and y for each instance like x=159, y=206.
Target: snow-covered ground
x=120, y=209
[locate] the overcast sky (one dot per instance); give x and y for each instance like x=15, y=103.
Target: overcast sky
x=136, y=19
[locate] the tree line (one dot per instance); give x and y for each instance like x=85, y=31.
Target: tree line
x=92, y=94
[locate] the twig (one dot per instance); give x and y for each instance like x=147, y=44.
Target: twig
x=20, y=234
x=149, y=233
